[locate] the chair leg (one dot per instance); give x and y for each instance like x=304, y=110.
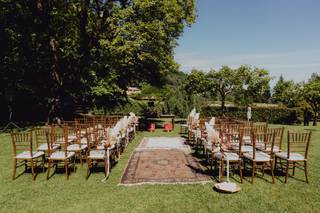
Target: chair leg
x=42, y=163
x=74, y=164
x=306, y=171
x=240, y=171
x=294, y=168
x=253, y=170
x=80, y=156
x=287, y=172
x=272, y=170
x=88, y=167
x=66, y=168
x=49, y=167
x=14, y=168
x=32, y=169
x=263, y=170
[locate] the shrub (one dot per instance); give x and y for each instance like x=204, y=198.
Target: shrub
x=276, y=115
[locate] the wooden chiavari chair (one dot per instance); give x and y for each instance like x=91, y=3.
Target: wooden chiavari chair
x=94, y=154
x=23, y=152
x=229, y=154
x=297, y=152
x=59, y=136
x=258, y=158
x=75, y=142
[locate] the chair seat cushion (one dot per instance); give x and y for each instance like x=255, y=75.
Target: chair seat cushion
x=97, y=154
x=244, y=148
x=268, y=149
x=260, y=156
x=293, y=156
x=227, y=156
x=44, y=147
x=76, y=147
x=27, y=155
x=60, y=155
x=72, y=138
x=101, y=147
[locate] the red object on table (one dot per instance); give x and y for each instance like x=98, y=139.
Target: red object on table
x=168, y=127
x=152, y=127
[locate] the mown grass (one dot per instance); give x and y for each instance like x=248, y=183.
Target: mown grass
x=92, y=195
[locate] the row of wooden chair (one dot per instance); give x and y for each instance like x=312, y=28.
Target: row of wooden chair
x=92, y=138
x=260, y=146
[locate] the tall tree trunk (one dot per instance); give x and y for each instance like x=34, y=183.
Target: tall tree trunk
x=56, y=79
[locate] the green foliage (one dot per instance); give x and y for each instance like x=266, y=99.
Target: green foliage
x=311, y=93
x=286, y=92
x=274, y=115
x=61, y=54
x=228, y=84
x=196, y=82
x=258, y=84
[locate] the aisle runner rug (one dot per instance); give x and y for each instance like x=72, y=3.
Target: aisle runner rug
x=164, y=143
x=163, y=166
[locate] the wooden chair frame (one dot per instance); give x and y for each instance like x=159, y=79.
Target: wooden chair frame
x=55, y=137
x=268, y=139
x=297, y=142
x=22, y=141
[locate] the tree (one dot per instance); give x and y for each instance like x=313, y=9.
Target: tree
x=259, y=85
x=68, y=53
x=224, y=82
x=285, y=92
x=196, y=82
x=311, y=93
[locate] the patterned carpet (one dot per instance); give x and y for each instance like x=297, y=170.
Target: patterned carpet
x=162, y=166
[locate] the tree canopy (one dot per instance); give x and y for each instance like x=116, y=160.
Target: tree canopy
x=227, y=82
x=60, y=54
x=311, y=93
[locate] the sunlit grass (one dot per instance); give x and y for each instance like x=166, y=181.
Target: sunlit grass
x=92, y=195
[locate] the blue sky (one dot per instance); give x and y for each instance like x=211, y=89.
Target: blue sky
x=282, y=36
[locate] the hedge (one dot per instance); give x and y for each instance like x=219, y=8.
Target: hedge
x=276, y=115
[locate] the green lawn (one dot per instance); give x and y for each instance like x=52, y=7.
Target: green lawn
x=92, y=195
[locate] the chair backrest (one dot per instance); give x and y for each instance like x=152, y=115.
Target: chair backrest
x=21, y=141
x=40, y=133
x=58, y=136
x=90, y=136
x=298, y=142
x=260, y=127
x=70, y=124
x=278, y=136
x=247, y=130
x=233, y=128
x=234, y=138
x=267, y=139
